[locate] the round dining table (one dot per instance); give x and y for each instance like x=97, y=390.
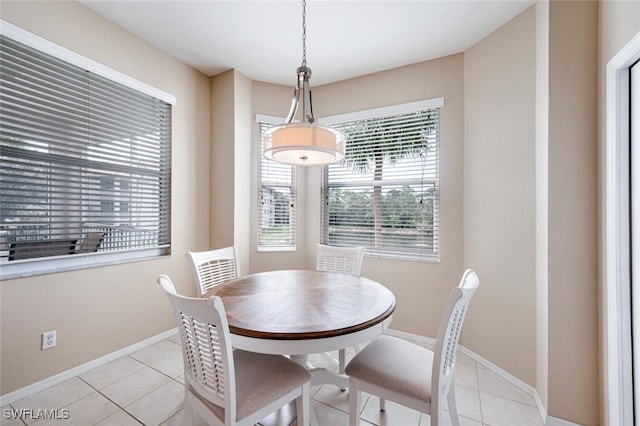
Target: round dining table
x=301, y=312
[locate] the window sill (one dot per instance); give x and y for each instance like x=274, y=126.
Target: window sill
x=428, y=259
x=276, y=249
x=31, y=267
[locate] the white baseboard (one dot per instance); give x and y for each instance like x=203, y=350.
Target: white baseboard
x=83, y=368
x=65, y=375
x=486, y=363
x=548, y=420
x=410, y=336
x=509, y=378
x=553, y=421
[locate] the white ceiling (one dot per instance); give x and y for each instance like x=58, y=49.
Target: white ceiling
x=262, y=39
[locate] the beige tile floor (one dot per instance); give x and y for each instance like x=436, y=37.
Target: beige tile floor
x=146, y=388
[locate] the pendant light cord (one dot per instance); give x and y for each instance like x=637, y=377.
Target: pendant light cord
x=304, y=33
x=303, y=143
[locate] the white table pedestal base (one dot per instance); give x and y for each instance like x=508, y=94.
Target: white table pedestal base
x=321, y=376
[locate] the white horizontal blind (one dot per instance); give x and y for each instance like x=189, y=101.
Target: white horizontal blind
x=81, y=157
x=384, y=195
x=276, y=202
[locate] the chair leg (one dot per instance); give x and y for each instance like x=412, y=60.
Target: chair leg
x=355, y=397
x=188, y=417
x=303, y=406
x=453, y=410
x=383, y=405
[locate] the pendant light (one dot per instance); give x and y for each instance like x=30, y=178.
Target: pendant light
x=303, y=143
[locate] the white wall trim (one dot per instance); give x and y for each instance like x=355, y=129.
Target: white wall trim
x=618, y=388
x=365, y=114
x=553, y=421
x=548, y=420
x=410, y=336
x=29, y=267
x=81, y=369
x=509, y=378
x=493, y=368
x=269, y=119
x=383, y=111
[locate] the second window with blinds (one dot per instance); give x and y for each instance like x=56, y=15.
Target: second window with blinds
x=385, y=194
x=276, y=200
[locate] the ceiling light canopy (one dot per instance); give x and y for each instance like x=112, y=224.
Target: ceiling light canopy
x=303, y=143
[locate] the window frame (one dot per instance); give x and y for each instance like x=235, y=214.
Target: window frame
x=383, y=112
x=267, y=121
x=38, y=266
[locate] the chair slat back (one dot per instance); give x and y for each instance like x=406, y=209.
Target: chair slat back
x=450, y=329
x=206, y=346
x=214, y=267
x=339, y=259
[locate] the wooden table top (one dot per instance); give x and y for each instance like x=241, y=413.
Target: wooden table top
x=300, y=304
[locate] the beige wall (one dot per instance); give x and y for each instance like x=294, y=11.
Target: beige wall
x=223, y=155
x=530, y=203
x=572, y=213
x=231, y=163
x=500, y=195
x=619, y=23
x=98, y=311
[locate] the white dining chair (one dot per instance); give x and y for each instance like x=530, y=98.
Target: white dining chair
x=214, y=267
x=411, y=375
x=340, y=259
x=225, y=386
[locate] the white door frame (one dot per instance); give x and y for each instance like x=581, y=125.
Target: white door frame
x=617, y=296
x=635, y=234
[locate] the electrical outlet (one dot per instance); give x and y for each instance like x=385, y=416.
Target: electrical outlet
x=48, y=339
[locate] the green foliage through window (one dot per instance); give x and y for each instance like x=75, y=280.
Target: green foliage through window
x=384, y=194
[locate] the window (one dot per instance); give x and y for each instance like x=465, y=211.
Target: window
x=276, y=200
x=84, y=162
x=384, y=194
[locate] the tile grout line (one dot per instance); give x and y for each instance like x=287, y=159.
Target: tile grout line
x=475, y=365
x=124, y=409
x=110, y=400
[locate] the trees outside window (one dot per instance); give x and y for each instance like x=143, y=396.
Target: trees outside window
x=384, y=194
